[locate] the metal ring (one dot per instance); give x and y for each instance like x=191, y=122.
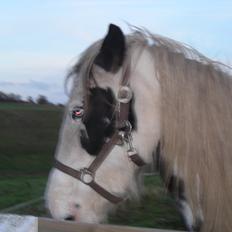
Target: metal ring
x=124, y=94
x=86, y=176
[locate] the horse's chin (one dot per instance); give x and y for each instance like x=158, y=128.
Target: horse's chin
x=80, y=217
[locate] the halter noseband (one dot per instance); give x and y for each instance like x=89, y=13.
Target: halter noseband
x=122, y=134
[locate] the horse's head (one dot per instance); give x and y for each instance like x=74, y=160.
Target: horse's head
x=94, y=115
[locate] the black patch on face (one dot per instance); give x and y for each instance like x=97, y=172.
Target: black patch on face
x=101, y=108
x=100, y=120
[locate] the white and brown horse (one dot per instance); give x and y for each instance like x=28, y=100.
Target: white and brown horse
x=130, y=95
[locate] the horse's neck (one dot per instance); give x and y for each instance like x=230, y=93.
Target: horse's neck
x=146, y=91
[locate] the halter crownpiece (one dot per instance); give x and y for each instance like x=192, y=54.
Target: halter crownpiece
x=122, y=134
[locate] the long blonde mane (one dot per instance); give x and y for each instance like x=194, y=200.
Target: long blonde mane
x=197, y=129
x=196, y=123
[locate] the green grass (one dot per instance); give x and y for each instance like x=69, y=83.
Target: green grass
x=37, y=209
x=27, y=106
x=28, y=136
x=17, y=190
x=155, y=209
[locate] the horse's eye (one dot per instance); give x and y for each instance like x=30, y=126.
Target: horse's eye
x=77, y=113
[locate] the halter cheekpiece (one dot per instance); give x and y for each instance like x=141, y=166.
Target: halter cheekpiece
x=122, y=135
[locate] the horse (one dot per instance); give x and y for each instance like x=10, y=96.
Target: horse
x=133, y=96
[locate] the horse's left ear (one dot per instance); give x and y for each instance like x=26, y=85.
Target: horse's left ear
x=111, y=54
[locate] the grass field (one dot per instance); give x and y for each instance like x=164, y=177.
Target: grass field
x=28, y=136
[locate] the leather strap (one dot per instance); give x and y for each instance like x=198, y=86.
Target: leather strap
x=96, y=187
x=105, y=151
x=66, y=169
x=104, y=193
x=126, y=74
x=137, y=160
x=124, y=109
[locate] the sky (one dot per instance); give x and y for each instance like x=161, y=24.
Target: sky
x=41, y=39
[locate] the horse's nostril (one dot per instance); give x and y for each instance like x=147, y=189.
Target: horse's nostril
x=77, y=206
x=69, y=218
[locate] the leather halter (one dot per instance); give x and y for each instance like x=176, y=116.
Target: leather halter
x=122, y=134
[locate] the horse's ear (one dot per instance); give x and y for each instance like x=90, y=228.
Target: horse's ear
x=111, y=54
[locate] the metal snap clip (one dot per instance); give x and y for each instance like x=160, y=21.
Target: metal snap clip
x=121, y=135
x=128, y=127
x=124, y=94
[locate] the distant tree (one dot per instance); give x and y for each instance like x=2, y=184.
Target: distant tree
x=14, y=97
x=30, y=100
x=42, y=100
x=60, y=105
x=3, y=97
x=11, y=97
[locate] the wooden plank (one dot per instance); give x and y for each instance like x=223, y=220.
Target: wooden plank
x=49, y=225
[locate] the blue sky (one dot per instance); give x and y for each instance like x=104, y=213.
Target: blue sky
x=40, y=40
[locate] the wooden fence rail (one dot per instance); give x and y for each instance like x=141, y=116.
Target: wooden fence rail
x=49, y=225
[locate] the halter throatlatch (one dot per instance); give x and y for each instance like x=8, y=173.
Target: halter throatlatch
x=123, y=134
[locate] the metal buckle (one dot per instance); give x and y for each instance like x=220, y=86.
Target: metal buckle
x=125, y=132
x=124, y=94
x=86, y=176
